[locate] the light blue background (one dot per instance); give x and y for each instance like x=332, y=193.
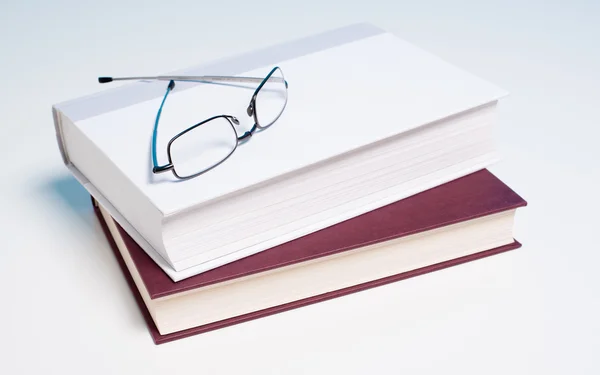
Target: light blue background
x=66, y=309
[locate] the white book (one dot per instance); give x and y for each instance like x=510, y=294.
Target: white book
x=370, y=119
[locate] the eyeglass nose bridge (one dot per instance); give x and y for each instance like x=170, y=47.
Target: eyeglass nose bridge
x=247, y=134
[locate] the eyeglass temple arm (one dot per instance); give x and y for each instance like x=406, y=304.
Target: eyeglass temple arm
x=191, y=78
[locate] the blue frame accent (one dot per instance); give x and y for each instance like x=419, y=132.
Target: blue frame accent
x=156, y=167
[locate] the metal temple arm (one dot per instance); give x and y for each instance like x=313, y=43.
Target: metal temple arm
x=191, y=78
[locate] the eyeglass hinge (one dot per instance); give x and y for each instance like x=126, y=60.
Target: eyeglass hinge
x=162, y=168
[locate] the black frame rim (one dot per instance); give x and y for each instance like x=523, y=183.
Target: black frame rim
x=174, y=169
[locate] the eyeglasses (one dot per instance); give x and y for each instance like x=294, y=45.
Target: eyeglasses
x=207, y=144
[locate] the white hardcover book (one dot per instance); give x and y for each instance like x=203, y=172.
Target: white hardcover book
x=370, y=119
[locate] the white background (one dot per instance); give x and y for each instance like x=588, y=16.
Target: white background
x=65, y=307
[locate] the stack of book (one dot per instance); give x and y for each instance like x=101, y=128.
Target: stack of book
x=291, y=175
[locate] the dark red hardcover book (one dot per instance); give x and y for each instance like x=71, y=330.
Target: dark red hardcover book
x=476, y=195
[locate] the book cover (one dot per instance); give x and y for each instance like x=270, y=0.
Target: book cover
x=470, y=197
x=410, y=92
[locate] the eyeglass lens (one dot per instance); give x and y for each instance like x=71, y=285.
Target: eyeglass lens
x=271, y=100
x=203, y=147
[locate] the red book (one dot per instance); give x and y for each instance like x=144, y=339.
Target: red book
x=460, y=221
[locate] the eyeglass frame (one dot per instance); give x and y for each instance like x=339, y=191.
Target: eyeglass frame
x=250, y=110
